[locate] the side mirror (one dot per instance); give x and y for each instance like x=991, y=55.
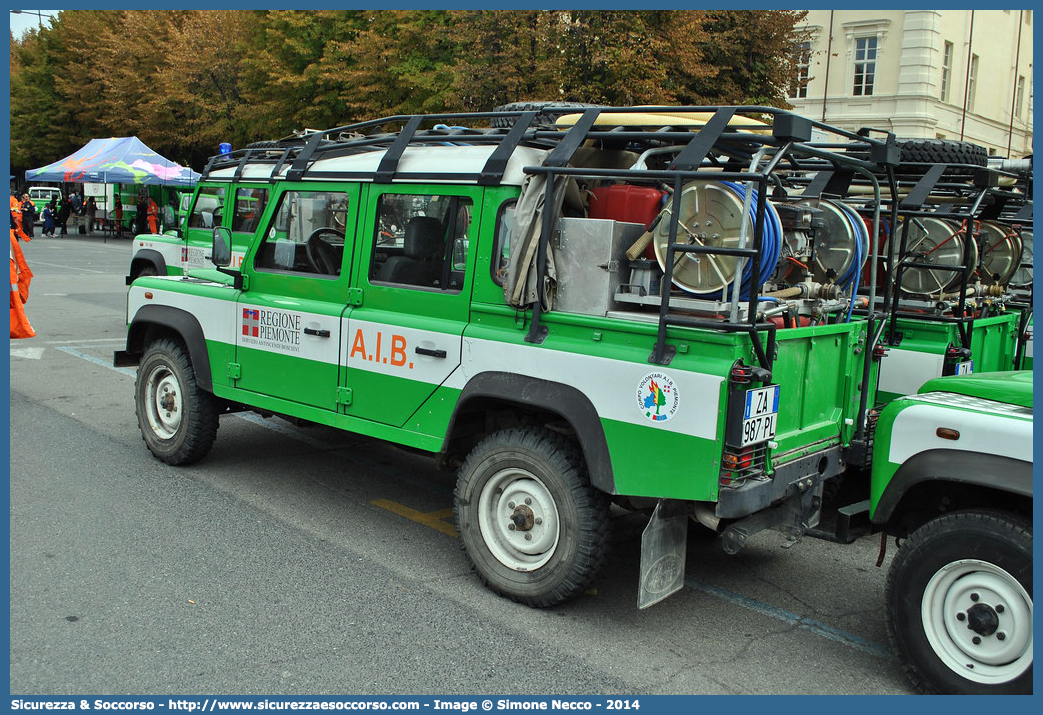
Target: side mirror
x=221, y=250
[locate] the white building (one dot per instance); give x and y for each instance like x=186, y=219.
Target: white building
x=947, y=74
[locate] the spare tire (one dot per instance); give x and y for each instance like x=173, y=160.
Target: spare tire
x=942, y=151
x=281, y=144
x=541, y=118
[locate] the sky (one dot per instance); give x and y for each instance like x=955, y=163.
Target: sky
x=20, y=22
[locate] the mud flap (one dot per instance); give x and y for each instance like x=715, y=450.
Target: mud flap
x=664, y=546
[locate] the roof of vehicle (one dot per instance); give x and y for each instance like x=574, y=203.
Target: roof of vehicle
x=417, y=163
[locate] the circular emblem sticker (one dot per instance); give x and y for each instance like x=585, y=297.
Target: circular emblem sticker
x=658, y=397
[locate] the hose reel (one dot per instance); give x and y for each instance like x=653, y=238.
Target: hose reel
x=935, y=241
x=1001, y=251
x=711, y=214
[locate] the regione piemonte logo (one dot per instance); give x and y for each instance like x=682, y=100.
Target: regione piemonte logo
x=251, y=322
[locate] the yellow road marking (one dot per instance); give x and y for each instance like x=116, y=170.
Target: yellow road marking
x=434, y=519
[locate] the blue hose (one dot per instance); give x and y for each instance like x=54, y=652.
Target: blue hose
x=853, y=275
x=771, y=243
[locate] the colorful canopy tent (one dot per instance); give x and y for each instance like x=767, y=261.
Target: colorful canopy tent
x=116, y=160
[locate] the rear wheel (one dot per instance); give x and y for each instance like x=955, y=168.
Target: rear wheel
x=178, y=420
x=959, y=604
x=533, y=527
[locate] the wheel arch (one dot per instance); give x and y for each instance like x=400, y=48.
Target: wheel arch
x=146, y=256
x=495, y=400
x=153, y=321
x=942, y=480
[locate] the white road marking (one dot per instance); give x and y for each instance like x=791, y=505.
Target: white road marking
x=28, y=353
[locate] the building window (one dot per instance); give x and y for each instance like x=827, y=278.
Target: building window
x=865, y=66
x=1019, y=97
x=946, y=71
x=972, y=83
x=799, y=89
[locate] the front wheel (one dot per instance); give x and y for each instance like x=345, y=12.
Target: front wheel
x=533, y=527
x=178, y=419
x=959, y=604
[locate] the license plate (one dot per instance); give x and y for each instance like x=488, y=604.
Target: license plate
x=761, y=415
x=965, y=368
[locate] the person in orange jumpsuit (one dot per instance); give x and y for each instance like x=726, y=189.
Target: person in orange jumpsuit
x=16, y=212
x=21, y=276
x=152, y=214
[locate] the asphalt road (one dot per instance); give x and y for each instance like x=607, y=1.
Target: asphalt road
x=302, y=560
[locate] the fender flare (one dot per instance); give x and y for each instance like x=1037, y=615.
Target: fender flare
x=149, y=255
x=564, y=400
x=179, y=321
x=991, y=471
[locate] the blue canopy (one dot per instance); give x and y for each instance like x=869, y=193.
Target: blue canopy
x=116, y=160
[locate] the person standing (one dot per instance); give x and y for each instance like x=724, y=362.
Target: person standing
x=152, y=214
x=63, y=216
x=80, y=208
x=117, y=213
x=16, y=212
x=91, y=209
x=139, y=217
x=28, y=215
x=48, y=219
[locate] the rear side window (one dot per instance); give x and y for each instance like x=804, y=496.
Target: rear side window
x=249, y=205
x=502, y=248
x=207, y=210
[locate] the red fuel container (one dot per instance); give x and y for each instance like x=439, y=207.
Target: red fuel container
x=623, y=202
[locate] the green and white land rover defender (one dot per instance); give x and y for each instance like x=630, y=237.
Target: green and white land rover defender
x=660, y=309
x=952, y=477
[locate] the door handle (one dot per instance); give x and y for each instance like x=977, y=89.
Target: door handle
x=429, y=351
x=318, y=333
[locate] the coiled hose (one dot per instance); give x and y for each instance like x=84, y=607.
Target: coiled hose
x=853, y=275
x=771, y=243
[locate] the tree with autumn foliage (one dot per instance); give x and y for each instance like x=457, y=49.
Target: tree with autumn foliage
x=184, y=80
x=750, y=56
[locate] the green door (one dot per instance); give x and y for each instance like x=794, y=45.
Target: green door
x=414, y=276
x=287, y=323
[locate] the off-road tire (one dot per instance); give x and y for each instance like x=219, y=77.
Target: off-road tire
x=178, y=420
x=541, y=118
x=942, y=151
x=266, y=144
x=535, y=480
x=964, y=569
x=917, y=155
x=147, y=269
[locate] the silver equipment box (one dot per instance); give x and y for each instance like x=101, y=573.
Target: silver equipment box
x=590, y=262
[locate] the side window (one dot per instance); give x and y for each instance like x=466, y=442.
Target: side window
x=307, y=234
x=422, y=241
x=502, y=249
x=207, y=211
x=249, y=205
